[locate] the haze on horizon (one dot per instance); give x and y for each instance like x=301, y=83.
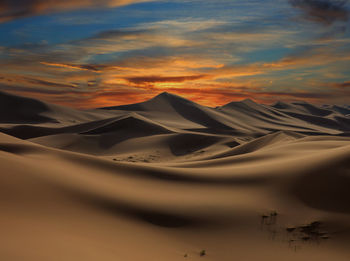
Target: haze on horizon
x=87, y=53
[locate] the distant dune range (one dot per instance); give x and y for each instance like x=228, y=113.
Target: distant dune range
x=168, y=178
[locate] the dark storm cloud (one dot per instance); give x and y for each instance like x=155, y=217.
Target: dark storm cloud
x=324, y=12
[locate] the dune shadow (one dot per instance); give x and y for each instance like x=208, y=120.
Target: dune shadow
x=148, y=214
x=18, y=148
x=15, y=109
x=123, y=129
x=327, y=189
x=183, y=144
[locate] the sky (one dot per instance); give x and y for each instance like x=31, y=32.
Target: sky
x=97, y=53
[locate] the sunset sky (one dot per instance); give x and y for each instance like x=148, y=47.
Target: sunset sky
x=89, y=53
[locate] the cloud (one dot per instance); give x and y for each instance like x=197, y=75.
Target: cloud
x=204, y=60
x=162, y=79
x=109, y=95
x=301, y=59
x=342, y=85
x=325, y=12
x=12, y=9
x=82, y=67
x=197, y=77
x=128, y=40
x=37, y=82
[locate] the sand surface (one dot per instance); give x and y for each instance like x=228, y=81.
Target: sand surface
x=169, y=179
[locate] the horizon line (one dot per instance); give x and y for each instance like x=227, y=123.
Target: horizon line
x=172, y=94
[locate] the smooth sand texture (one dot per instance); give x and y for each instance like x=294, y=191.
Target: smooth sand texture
x=168, y=178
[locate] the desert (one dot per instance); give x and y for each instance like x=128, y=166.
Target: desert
x=169, y=179
x=174, y=130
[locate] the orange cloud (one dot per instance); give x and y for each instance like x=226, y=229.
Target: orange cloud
x=342, y=85
x=83, y=67
x=33, y=81
x=201, y=76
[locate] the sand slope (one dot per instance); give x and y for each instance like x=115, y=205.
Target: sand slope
x=133, y=184
x=61, y=205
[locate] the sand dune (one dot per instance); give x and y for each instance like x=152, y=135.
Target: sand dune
x=172, y=112
x=342, y=110
x=22, y=110
x=168, y=178
x=331, y=118
x=179, y=110
x=11, y=110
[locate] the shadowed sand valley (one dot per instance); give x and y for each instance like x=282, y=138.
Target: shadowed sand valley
x=169, y=179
